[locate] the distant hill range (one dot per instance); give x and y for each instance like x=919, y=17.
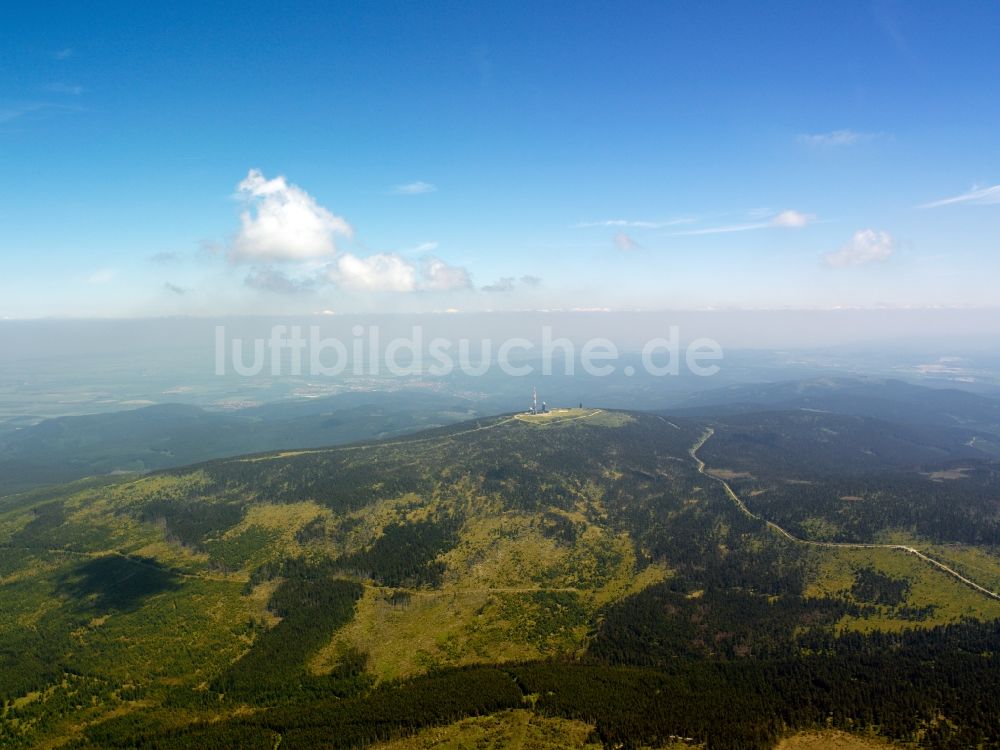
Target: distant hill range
x=891, y=400
x=168, y=435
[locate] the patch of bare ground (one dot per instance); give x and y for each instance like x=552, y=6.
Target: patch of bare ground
x=728, y=474
x=834, y=740
x=949, y=474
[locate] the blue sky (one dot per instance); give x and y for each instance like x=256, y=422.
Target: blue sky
x=213, y=158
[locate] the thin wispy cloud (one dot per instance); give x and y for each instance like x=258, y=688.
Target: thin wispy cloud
x=723, y=229
x=63, y=54
x=7, y=114
x=423, y=247
x=16, y=111
x=174, y=289
x=631, y=224
x=64, y=88
x=414, y=188
x=888, y=19
x=834, y=138
x=784, y=220
x=13, y=112
x=981, y=196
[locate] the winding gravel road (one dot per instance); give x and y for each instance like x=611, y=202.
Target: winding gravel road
x=850, y=545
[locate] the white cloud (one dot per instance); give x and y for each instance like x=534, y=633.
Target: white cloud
x=866, y=246
x=63, y=54
x=978, y=196
x=438, y=276
x=414, y=188
x=625, y=243
x=785, y=220
x=385, y=272
x=722, y=230
x=26, y=108
x=631, y=224
x=791, y=219
x=390, y=272
x=423, y=247
x=282, y=222
x=834, y=138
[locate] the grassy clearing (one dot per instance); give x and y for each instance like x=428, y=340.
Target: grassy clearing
x=186, y=635
x=510, y=593
x=947, y=600
x=833, y=740
x=975, y=563
x=508, y=729
x=521, y=729
x=597, y=417
x=266, y=532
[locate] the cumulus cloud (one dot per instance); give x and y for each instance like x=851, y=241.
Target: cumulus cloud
x=391, y=272
x=289, y=240
x=625, y=243
x=834, y=138
x=978, y=196
x=384, y=272
x=414, y=188
x=283, y=223
x=269, y=279
x=439, y=276
x=866, y=246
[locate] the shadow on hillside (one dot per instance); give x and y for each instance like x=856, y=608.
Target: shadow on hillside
x=118, y=583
